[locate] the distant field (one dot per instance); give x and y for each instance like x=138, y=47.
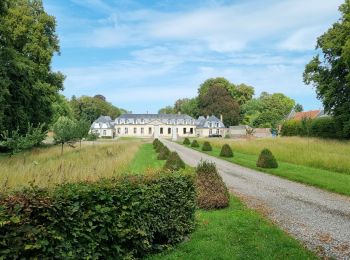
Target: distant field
x=323, y=154
x=294, y=165
x=45, y=167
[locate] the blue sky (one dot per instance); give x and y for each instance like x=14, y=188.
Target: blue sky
x=143, y=55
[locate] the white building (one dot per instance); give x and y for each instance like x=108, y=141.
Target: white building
x=157, y=125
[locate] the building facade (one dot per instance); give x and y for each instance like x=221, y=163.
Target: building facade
x=157, y=125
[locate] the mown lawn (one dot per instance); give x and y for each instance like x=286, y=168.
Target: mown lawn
x=325, y=179
x=236, y=233
x=145, y=158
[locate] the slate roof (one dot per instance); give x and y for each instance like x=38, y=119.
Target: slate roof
x=203, y=122
x=107, y=120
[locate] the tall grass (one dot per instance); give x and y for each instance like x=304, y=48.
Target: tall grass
x=318, y=153
x=44, y=167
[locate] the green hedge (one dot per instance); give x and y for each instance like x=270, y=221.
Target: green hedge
x=111, y=219
x=323, y=127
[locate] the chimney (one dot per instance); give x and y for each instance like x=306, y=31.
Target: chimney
x=221, y=118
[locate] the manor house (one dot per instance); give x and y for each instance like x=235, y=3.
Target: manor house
x=157, y=125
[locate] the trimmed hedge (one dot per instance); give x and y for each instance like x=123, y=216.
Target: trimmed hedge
x=194, y=143
x=212, y=192
x=266, y=160
x=122, y=218
x=174, y=162
x=323, y=127
x=186, y=141
x=206, y=147
x=226, y=151
x=156, y=142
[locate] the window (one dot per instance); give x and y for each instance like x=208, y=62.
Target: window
x=169, y=131
x=191, y=130
x=210, y=131
x=217, y=131
x=217, y=124
x=126, y=130
x=184, y=130
x=161, y=130
x=177, y=130
x=135, y=130
x=210, y=125
x=142, y=130
x=142, y=121
x=118, y=130
x=104, y=132
x=149, y=130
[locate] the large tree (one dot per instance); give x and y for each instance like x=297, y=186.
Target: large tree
x=218, y=101
x=166, y=110
x=330, y=74
x=241, y=93
x=267, y=110
x=188, y=106
x=28, y=86
x=90, y=108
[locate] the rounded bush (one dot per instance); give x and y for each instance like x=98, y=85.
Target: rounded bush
x=163, y=153
x=206, y=147
x=267, y=160
x=212, y=192
x=155, y=143
x=194, y=143
x=174, y=162
x=160, y=145
x=226, y=151
x=186, y=141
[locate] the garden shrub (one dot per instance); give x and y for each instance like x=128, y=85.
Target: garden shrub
x=267, y=160
x=163, y=153
x=226, y=151
x=155, y=143
x=186, y=141
x=323, y=127
x=174, y=162
x=206, y=147
x=127, y=217
x=92, y=137
x=194, y=143
x=212, y=192
x=160, y=146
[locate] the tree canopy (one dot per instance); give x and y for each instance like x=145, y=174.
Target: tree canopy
x=90, y=108
x=218, y=101
x=330, y=74
x=28, y=86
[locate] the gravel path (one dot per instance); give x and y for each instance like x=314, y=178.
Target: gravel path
x=320, y=219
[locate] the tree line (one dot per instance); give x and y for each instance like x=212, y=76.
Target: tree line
x=218, y=96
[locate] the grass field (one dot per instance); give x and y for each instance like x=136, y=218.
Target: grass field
x=45, y=167
x=236, y=233
x=318, y=177
x=323, y=154
x=145, y=158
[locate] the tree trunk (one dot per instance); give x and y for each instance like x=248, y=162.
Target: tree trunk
x=62, y=149
x=80, y=143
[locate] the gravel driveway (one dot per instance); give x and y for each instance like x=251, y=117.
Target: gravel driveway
x=320, y=219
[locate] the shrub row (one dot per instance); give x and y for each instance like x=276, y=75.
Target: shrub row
x=324, y=127
x=127, y=217
x=173, y=160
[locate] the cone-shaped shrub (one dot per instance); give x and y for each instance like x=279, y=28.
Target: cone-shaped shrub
x=174, y=162
x=226, y=151
x=163, y=153
x=194, y=143
x=155, y=143
x=206, y=147
x=266, y=159
x=212, y=192
x=186, y=141
x=159, y=146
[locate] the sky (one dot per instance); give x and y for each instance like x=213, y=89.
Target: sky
x=143, y=55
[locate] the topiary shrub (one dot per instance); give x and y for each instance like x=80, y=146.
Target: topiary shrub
x=266, y=159
x=194, y=143
x=206, y=147
x=159, y=147
x=212, y=192
x=156, y=143
x=186, y=141
x=164, y=153
x=174, y=162
x=226, y=151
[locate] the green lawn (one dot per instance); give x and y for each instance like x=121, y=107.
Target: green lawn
x=328, y=180
x=145, y=158
x=236, y=233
